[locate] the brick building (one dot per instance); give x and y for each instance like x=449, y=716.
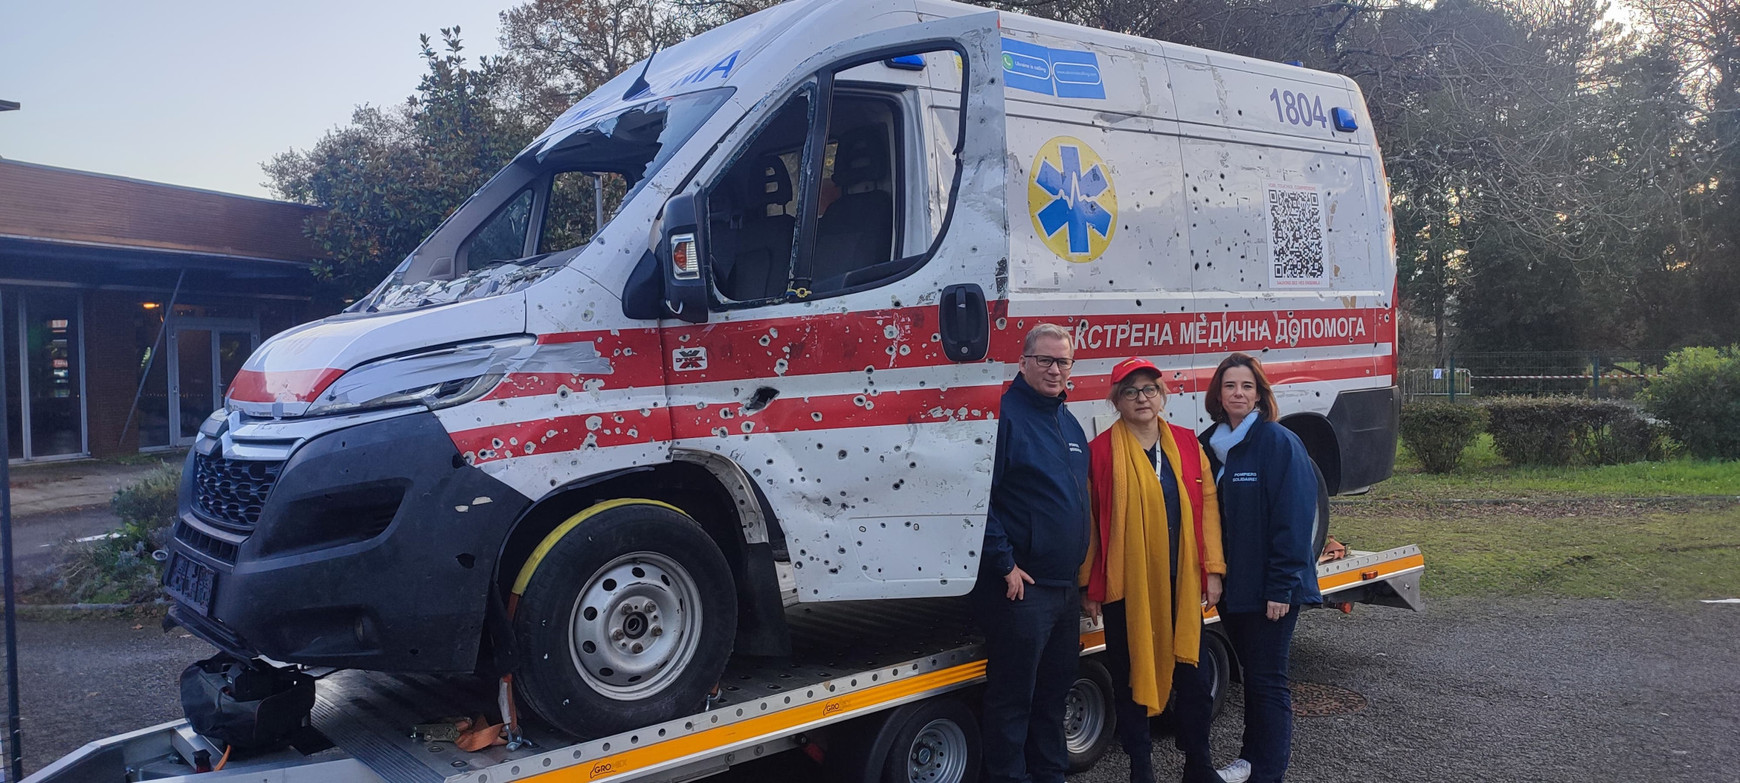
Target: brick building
x=127, y=306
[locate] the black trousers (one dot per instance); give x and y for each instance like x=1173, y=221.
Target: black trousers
x=1263, y=648
x=1032, y=648
x=1192, y=706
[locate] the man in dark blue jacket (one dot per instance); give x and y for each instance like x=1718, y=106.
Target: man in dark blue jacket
x=1036, y=536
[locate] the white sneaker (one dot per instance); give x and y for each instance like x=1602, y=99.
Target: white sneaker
x=1236, y=772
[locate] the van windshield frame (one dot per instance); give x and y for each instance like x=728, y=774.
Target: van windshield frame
x=633, y=143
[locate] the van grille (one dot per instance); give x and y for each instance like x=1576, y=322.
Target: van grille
x=211, y=545
x=230, y=493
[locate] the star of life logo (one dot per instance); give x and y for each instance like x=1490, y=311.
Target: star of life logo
x=1071, y=200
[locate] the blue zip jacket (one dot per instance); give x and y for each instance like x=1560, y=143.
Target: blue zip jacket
x=1268, y=505
x=1039, y=515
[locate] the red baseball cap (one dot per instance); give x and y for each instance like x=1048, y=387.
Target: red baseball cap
x=1122, y=369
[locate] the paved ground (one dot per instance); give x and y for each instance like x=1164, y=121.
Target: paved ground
x=83, y=679
x=38, y=540
x=50, y=487
x=1469, y=690
x=54, y=503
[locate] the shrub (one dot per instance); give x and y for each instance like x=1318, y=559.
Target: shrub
x=121, y=568
x=1535, y=430
x=1438, y=432
x=1698, y=395
x=1613, y=433
x=1571, y=430
x=151, y=499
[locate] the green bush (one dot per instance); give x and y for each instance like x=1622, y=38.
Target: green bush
x=1535, y=430
x=151, y=499
x=1570, y=431
x=1698, y=396
x=120, y=568
x=1614, y=433
x=1437, y=431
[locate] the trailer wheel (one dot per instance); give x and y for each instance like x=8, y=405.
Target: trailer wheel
x=625, y=616
x=1089, y=720
x=1216, y=655
x=934, y=741
x=1320, y=525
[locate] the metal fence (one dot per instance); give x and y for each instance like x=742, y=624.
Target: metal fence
x=1600, y=374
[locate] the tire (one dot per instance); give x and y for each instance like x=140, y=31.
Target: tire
x=1090, y=719
x=1216, y=653
x=1320, y=525
x=933, y=741
x=625, y=617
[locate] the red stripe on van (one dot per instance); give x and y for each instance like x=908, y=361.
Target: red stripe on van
x=283, y=386
x=816, y=413
x=795, y=414
x=904, y=338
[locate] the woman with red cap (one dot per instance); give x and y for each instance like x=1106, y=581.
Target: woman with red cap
x=1154, y=561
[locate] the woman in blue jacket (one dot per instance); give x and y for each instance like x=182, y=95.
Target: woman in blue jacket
x=1268, y=497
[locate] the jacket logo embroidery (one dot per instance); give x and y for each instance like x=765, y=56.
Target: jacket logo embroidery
x=1247, y=476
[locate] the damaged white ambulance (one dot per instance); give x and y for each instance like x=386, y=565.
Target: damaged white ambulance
x=730, y=336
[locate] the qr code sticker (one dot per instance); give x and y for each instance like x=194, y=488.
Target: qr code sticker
x=1296, y=235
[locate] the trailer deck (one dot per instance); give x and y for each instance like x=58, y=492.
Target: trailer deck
x=851, y=659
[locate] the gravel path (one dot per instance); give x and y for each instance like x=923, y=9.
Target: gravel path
x=88, y=678
x=1512, y=690
x=1469, y=690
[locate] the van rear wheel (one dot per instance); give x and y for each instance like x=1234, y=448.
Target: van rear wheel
x=625, y=617
x=1320, y=525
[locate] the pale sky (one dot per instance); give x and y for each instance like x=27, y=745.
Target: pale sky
x=201, y=92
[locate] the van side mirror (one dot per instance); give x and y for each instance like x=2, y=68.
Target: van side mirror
x=683, y=254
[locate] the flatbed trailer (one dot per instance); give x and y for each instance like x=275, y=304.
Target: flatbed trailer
x=870, y=685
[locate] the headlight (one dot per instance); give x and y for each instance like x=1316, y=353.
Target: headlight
x=435, y=380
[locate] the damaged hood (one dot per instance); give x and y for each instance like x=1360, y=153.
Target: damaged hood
x=287, y=373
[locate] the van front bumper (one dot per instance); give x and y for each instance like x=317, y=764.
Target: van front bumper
x=370, y=546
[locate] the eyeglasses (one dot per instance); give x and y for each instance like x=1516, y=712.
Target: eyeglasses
x=1048, y=361
x=1131, y=392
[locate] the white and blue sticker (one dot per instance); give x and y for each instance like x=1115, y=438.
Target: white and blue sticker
x=1065, y=73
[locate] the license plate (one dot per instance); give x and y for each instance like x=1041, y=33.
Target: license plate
x=190, y=582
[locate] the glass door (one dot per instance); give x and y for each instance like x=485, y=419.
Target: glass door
x=204, y=356
x=44, y=370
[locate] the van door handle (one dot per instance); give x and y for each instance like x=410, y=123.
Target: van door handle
x=964, y=323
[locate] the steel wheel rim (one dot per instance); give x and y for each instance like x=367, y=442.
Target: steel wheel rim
x=1084, y=715
x=938, y=753
x=635, y=625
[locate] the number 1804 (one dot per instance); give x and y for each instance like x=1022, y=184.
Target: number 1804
x=1297, y=108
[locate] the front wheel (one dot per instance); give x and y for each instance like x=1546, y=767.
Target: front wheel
x=624, y=617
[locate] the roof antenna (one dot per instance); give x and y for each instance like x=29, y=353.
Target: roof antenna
x=640, y=86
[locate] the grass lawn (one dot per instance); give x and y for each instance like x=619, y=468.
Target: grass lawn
x=1483, y=474
x=1621, y=531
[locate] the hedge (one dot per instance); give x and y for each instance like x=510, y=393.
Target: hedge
x=1438, y=432
x=1568, y=430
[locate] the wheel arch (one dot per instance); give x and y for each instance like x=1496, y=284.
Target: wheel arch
x=726, y=507
x=1315, y=431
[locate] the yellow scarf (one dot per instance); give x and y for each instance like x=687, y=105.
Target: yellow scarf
x=1137, y=571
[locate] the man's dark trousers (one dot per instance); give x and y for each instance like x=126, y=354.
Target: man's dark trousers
x=1032, y=647
x=1263, y=646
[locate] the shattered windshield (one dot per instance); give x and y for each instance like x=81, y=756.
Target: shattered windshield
x=546, y=206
